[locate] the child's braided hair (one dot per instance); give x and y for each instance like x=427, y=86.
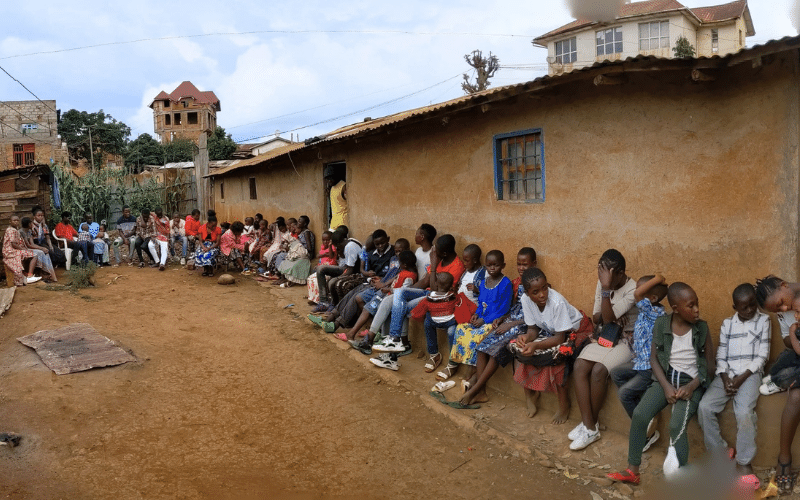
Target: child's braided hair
x=766, y=287
x=530, y=275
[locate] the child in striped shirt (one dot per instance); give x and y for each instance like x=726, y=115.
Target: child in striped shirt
x=743, y=350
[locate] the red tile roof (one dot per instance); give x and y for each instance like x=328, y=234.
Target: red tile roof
x=719, y=13
x=187, y=89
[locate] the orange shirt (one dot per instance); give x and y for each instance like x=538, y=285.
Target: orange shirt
x=192, y=226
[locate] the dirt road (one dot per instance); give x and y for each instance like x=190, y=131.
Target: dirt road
x=232, y=397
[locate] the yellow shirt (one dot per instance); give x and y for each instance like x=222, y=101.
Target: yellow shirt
x=338, y=206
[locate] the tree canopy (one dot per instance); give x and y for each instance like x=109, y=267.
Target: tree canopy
x=144, y=150
x=220, y=145
x=107, y=134
x=179, y=150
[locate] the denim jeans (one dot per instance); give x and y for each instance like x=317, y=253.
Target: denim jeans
x=403, y=301
x=182, y=239
x=631, y=385
x=322, y=279
x=430, y=332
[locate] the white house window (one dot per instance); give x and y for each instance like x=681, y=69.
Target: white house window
x=519, y=166
x=567, y=51
x=609, y=41
x=715, y=41
x=654, y=35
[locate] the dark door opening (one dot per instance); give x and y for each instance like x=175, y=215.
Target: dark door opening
x=333, y=173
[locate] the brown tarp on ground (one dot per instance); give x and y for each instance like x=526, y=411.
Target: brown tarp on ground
x=75, y=348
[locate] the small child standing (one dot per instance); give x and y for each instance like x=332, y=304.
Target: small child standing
x=437, y=310
x=742, y=352
x=100, y=245
x=680, y=357
x=327, y=253
x=632, y=382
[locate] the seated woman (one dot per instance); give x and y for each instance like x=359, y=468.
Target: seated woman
x=296, y=267
x=41, y=237
x=614, y=303
x=15, y=251
x=208, y=248
x=553, y=326
x=232, y=244
x=278, y=231
x=43, y=261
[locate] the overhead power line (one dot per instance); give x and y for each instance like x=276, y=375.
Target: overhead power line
x=29, y=90
x=275, y=32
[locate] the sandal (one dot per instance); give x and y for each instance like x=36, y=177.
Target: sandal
x=447, y=372
x=624, y=477
x=341, y=336
x=434, y=360
x=443, y=386
x=785, y=480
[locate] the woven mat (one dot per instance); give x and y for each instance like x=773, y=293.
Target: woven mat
x=74, y=348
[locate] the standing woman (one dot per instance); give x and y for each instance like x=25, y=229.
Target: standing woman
x=41, y=237
x=14, y=252
x=208, y=249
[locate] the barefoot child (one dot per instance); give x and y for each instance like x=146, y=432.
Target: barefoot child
x=778, y=296
x=552, y=323
x=493, y=352
x=682, y=360
x=494, y=301
x=633, y=380
x=743, y=350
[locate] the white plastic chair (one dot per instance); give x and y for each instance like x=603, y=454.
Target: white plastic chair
x=67, y=249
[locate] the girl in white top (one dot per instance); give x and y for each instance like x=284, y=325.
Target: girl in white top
x=475, y=272
x=551, y=321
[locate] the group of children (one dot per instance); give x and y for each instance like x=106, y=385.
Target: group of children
x=654, y=357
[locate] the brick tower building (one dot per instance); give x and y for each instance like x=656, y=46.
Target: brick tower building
x=185, y=113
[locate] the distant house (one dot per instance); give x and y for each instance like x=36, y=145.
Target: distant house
x=648, y=28
x=185, y=113
x=29, y=134
x=244, y=151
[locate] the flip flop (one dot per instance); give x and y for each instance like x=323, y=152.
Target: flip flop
x=453, y=404
x=443, y=386
x=342, y=337
x=315, y=319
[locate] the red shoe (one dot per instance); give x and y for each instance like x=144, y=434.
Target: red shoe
x=624, y=477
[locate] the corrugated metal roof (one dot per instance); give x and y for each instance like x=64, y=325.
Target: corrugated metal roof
x=639, y=62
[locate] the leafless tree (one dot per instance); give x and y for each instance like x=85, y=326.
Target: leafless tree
x=485, y=67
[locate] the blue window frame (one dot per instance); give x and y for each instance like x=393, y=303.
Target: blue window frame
x=519, y=166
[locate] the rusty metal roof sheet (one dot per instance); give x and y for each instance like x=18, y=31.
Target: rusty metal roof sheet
x=640, y=62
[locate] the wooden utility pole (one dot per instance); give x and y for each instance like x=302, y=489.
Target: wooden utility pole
x=200, y=172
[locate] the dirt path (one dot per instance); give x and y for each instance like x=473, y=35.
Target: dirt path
x=233, y=397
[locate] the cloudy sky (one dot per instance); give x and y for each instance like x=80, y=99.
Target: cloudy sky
x=280, y=66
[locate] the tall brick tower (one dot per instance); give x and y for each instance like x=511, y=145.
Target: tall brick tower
x=185, y=113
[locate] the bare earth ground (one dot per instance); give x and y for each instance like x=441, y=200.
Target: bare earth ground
x=236, y=397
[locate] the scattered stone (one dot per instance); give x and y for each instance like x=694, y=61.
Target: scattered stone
x=542, y=432
x=624, y=488
x=503, y=408
x=226, y=279
x=515, y=454
x=538, y=454
x=546, y=463
x=605, y=467
x=560, y=466
x=638, y=493
x=601, y=481
x=491, y=455
x=597, y=452
x=566, y=455
x=513, y=433
x=595, y=496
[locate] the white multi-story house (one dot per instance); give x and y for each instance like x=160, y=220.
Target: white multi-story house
x=648, y=28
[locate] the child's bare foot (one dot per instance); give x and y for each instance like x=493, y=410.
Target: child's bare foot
x=531, y=398
x=560, y=417
x=481, y=397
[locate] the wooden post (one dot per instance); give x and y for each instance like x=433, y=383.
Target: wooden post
x=200, y=171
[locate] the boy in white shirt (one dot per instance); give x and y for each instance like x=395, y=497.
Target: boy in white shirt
x=743, y=350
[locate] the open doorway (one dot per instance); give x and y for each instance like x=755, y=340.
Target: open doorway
x=335, y=177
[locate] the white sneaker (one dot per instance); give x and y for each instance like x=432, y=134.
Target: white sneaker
x=770, y=388
x=651, y=427
x=766, y=380
x=384, y=361
x=183, y=261
x=391, y=345
x=574, y=433
x=586, y=438
x=651, y=441
x=32, y=279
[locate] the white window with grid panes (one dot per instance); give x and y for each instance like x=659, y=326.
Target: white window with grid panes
x=654, y=35
x=567, y=51
x=609, y=41
x=519, y=166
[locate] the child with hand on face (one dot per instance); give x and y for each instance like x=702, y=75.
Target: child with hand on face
x=327, y=253
x=743, y=350
x=682, y=360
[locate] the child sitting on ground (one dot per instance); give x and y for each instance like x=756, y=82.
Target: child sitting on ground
x=553, y=324
x=781, y=297
x=682, y=360
x=633, y=381
x=742, y=352
x=494, y=301
x=492, y=351
x=406, y=276
x=438, y=311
